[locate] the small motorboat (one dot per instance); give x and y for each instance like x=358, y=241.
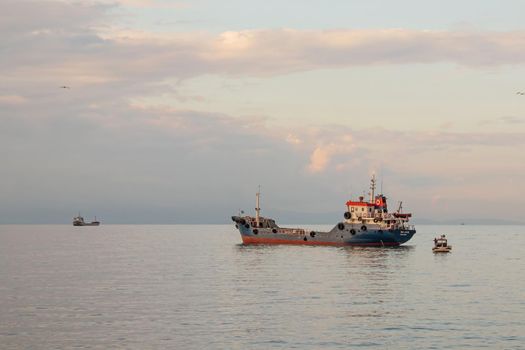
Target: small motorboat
x=441, y=245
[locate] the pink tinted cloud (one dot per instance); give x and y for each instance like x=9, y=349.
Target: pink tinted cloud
x=323, y=154
x=146, y=56
x=142, y=56
x=363, y=47
x=328, y=149
x=78, y=41
x=154, y=4
x=12, y=100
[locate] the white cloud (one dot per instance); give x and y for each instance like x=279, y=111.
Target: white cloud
x=80, y=42
x=293, y=139
x=262, y=52
x=146, y=154
x=154, y=3
x=164, y=156
x=323, y=153
x=12, y=100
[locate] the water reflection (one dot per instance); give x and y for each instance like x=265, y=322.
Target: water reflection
x=380, y=257
x=373, y=280
x=257, y=248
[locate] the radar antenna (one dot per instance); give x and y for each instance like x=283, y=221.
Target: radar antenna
x=372, y=188
x=257, y=208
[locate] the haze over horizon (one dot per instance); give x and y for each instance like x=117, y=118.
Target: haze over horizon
x=175, y=111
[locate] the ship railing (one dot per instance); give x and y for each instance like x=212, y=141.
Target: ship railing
x=291, y=231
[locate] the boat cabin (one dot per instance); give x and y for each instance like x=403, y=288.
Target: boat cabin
x=440, y=242
x=441, y=245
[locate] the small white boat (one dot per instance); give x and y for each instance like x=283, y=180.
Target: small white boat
x=441, y=245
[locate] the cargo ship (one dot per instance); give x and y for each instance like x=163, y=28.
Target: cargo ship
x=366, y=223
x=79, y=221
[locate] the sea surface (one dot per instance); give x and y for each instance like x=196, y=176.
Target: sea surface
x=197, y=287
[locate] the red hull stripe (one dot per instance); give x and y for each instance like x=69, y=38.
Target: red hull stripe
x=264, y=240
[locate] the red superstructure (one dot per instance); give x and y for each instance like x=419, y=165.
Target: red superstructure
x=375, y=209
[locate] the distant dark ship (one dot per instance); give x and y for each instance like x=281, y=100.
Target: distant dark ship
x=79, y=221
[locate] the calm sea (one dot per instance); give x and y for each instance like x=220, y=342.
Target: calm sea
x=197, y=287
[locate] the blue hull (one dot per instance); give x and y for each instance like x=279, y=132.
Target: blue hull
x=347, y=236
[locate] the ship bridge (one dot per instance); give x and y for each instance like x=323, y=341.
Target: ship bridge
x=375, y=211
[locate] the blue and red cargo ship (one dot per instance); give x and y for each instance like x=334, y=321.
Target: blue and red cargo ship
x=365, y=224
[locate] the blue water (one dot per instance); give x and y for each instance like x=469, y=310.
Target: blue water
x=197, y=287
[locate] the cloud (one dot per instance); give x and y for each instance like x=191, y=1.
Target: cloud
x=20, y=19
x=319, y=158
x=508, y=120
x=279, y=51
x=83, y=44
x=154, y=4
x=144, y=156
x=155, y=159
x=12, y=100
x=293, y=139
x=336, y=48
x=512, y=119
x=323, y=153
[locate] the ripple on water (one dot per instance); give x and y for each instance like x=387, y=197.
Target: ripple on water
x=196, y=287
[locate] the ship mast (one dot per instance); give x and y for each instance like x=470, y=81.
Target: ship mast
x=257, y=207
x=372, y=188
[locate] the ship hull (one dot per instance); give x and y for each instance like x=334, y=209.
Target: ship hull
x=366, y=224
x=87, y=224
x=350, y=235
x=263, y=240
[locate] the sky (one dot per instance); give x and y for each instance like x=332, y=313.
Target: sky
x=176, y=111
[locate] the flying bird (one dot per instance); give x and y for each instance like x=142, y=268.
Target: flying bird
x=64, y=87
x=520, y=93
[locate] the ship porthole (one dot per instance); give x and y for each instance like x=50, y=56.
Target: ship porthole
x=312, y=234
x=341, y=226
x=255, y=231
x=352, y=231
x=347, y=215
x=305, y=239
x=375, y=220
x=363, y=228
x=274, y=231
